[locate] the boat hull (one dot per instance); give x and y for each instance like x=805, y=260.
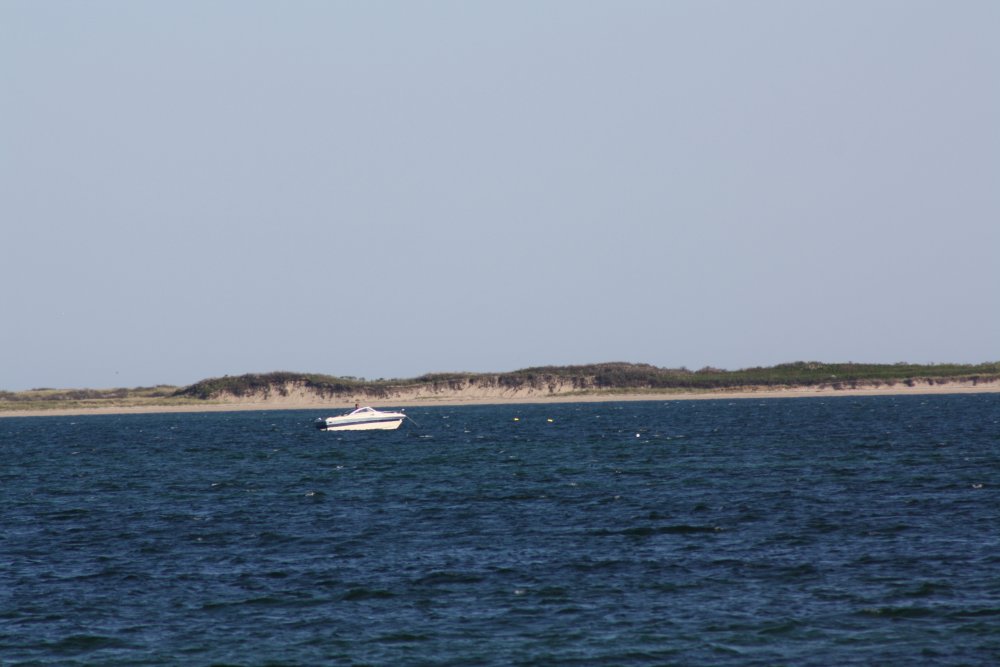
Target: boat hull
x=371, y=425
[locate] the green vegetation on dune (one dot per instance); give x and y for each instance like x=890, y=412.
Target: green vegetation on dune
x=278, y=382
x=57, y=399
x=611, y=378
x=784, y=375
x=42, y=394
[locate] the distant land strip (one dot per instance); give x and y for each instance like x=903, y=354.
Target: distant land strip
x=592, y=382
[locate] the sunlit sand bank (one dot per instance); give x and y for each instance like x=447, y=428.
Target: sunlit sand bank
x=299, y=400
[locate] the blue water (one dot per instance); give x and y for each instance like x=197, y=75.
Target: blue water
x=831, y=531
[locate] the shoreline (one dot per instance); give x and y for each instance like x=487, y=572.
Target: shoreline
x=467, y=398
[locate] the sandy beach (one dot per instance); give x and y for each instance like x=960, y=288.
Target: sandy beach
x=296, y=399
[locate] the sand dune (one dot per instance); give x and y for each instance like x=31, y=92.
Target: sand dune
x=298, y=398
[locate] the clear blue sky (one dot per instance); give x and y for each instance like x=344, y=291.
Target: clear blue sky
x=383, y=189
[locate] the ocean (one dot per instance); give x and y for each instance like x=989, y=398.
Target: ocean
x=813, y=531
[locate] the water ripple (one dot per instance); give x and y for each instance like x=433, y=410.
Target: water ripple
x=808, y=532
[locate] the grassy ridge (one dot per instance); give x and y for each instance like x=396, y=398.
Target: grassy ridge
x=611, y=377
x=608, y=377
x=52, y=399
x=267, y=383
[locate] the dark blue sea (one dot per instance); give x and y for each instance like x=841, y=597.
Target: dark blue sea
x=819, y=531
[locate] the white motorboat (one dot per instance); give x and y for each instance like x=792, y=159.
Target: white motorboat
x=362, y=419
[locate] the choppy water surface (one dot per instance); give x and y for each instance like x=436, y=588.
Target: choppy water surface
x=797, y=531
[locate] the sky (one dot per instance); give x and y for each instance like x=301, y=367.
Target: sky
x=385, y=189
